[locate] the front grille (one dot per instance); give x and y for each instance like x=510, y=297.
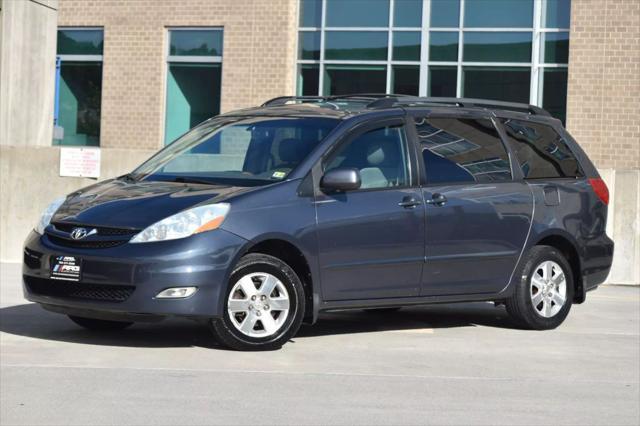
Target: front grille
x=86, y=243
x=75, y=290
x=105, y=237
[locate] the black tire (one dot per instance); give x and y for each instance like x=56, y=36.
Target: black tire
x=98, y=324
x=520, y=305
x=227, y=333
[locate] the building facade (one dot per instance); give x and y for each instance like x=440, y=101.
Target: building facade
x=130, y=76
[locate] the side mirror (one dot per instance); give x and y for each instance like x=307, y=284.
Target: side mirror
x=340, y=180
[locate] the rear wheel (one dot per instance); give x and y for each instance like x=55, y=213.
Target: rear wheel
x=264, y=305
x=98, y=324
x=543, y=296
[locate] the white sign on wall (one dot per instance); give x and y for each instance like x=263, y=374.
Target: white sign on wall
x=80, y=162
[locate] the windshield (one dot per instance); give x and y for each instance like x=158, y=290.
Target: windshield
x=238, y=151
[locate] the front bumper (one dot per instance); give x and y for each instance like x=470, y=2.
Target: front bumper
x=123, y=281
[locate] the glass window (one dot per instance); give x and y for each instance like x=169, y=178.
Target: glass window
x=498, y=13
x=497, y=47
x=309, y=45
x=442, y=81
x=195, y=42
x=406, y=46
x=80, y=90
x=310, y=13
x=357, y=13
x=238, y=151
x=406, y=80
x=443, y=46
x=407, y=13
x=308, y=80
x=346, y=79
x=445, y=13
x=554, y=91
x=380, y=155
x=498, y=83
x=193, y=95
x=356, y=45
x=78, y=87
x=80, y=42
x=541, y=152
x=462, y=150
x=555, y=48
x=557, y=13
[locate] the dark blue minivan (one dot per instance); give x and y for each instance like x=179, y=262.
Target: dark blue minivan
x=257, y=220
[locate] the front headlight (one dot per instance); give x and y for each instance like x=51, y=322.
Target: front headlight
x=48, y=213
x=184, y=224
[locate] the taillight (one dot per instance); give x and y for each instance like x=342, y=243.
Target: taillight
x=600, y=189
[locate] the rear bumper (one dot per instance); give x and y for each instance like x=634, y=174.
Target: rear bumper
x=597, y=261
x=122, y=282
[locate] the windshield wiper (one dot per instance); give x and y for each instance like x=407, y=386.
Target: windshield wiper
x=182, y=179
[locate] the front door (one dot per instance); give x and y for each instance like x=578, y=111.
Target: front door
x=477, y=216
x=371, y=240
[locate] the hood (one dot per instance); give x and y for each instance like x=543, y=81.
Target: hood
x=121, y=204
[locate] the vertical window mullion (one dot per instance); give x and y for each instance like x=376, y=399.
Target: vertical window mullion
x=323, y=17
x=424, y=48
x=460, y=51
x=390, y=47
x=535, y=97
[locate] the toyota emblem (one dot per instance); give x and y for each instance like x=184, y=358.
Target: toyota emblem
x=78, y=233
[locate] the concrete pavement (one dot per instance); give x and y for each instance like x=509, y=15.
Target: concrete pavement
x=444, y=364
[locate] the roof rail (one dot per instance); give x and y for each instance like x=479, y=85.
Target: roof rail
x=458, y=102
x=283, y=100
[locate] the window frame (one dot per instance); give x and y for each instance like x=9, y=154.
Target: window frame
x=514, y=166
x=357, y=131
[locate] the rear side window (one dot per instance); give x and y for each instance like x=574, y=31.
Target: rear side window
x=541, y=151
x=462, y=150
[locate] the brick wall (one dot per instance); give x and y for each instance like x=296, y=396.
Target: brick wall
x=603, y=111
x=258, y=56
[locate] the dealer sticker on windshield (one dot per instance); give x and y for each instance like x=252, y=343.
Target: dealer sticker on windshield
x=278, y=175
x=65, y=268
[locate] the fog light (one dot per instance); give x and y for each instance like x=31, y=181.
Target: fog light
x=176, y=293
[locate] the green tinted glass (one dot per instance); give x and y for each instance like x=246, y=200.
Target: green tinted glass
x=406, y=80
x=442, y=81
x=407, y=13
x=498, y=13
x=310, y=13
x=498, y=83
x=195, y=43
x=80, y=42
x=356, y=45
x=497, y=46
x=308, y=79
x=344, y=79
x=443, y=46
x=193, y=95
x=557, y=14
x=445, y=13
x=79, y=103
x=554, y=91
x=406, y=46
x=555, y=48
x=357, y=13
x=309, y=45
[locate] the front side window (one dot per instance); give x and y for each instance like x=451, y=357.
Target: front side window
x=78, y=87
x=462, y=150
x=541, y=151
x=379, y=155
x=194, y=70
x=238, y=151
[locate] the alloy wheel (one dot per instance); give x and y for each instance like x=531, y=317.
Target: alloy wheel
x=548, y=289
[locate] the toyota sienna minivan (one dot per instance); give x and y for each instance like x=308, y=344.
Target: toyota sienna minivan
x=257, y=220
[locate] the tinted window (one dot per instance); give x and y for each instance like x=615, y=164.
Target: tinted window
x=541, y=151
x=380, y=155
x=462, y=150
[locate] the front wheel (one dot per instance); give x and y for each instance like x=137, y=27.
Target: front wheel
x=264, y=305
x=544, y=292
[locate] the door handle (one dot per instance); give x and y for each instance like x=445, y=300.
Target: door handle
x=437, y=200
x=409, y=202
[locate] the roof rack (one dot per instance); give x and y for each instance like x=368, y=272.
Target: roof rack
x=458, y=102
x=382, y=100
